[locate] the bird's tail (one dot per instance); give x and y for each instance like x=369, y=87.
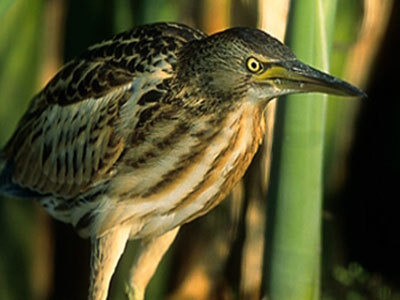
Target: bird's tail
x=2, y=171
x=2, y=168
x=5, y=176
x=7, y=186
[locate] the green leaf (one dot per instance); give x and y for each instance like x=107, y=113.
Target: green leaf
x=20, y=44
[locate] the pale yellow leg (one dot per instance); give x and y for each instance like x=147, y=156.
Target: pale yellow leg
x=105, y=254
x=149, y=256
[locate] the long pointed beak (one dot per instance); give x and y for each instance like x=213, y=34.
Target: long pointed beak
x=297, y=77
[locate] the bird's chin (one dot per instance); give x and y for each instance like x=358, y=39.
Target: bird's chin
x=262, y=94
x=267, y=93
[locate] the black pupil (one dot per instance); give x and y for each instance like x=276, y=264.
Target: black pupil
x=254, y=65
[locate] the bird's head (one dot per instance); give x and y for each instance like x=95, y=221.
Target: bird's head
x=244, y=62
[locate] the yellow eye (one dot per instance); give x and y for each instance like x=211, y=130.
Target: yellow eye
x=253, y=65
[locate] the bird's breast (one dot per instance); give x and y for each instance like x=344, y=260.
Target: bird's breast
x=188, y=172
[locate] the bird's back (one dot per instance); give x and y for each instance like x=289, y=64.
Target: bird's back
x=68, y=142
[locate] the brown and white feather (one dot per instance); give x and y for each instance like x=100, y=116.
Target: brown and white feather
x=123, y=135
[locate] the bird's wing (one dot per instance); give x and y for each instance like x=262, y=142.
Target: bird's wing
x=68, y=140
x=62, y=149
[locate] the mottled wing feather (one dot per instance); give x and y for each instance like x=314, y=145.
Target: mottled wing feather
x=113, y=62
x=68, y=140
x=66, y=149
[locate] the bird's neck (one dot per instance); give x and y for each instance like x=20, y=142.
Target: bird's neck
x=236, y=144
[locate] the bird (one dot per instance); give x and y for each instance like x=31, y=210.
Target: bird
x=149, y=130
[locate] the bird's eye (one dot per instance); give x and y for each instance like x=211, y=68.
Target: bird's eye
x=253, y=65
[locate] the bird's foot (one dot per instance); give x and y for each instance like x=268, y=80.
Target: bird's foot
x=133, y=293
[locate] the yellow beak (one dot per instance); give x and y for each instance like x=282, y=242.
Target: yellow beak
x=296, y=77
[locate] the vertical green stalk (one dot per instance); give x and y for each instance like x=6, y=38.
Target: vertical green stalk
x=293, y=251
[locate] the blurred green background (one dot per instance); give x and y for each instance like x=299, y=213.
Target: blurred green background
x=219, y=256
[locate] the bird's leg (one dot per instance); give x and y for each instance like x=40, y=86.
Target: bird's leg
x=149, y=255
x=105, y=253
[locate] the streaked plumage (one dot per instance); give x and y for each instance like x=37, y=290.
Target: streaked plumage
x=147, y=131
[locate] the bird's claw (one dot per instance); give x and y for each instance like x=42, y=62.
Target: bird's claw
x=133, y=293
